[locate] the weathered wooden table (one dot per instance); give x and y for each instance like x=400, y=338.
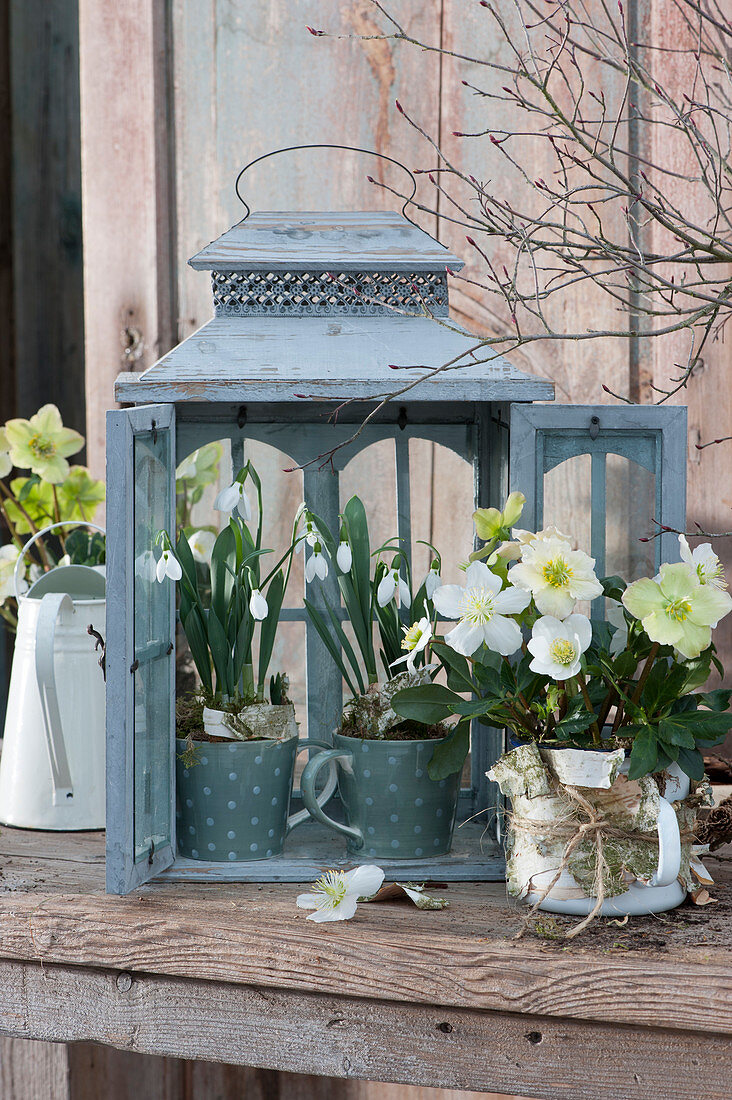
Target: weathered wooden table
x=237, y=974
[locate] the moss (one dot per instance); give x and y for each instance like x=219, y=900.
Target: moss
x=372, y=718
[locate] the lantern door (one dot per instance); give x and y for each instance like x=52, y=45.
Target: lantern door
x=612, y=476
x=140, y=647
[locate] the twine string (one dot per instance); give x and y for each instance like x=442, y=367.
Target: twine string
x=598, y=827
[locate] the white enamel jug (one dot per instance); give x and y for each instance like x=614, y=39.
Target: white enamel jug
x=52, y=766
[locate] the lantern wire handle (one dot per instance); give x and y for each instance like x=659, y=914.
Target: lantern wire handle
x=348, y=148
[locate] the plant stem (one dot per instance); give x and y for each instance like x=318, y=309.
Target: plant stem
x=644, y=674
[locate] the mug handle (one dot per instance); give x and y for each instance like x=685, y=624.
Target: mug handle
x=307, y=786
x=327, y=791
x=669, y=845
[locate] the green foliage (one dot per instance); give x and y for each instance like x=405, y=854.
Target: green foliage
x=218, y=623
x=358, y=587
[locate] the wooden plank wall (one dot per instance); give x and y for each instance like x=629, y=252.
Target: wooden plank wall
x=48, y=316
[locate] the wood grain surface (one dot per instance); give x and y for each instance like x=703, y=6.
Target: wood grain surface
x=353, y=1037
x=54, y=911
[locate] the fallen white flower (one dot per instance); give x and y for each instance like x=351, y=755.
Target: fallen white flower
x=336, y=893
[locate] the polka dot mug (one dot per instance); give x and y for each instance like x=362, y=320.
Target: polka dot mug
x=393, y=810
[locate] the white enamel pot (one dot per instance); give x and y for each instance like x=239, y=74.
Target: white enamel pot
x=52, y=766
x=663, y=892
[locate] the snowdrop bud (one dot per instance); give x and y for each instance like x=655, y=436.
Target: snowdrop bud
x=344, y=557
x=258, y=605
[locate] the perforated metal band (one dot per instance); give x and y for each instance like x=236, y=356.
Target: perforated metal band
x=318, y=294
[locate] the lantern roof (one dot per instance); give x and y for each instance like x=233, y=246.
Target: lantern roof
x=329, y=307
x=288, y=359
x=364, y=241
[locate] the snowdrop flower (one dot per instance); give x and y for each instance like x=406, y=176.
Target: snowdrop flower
x=704, y=561
x=616, y=618
x=677, y=610
x=392, y=586
x=145, y=566
x=316, y=566
x=8, y=558
x=555, y=574
x=201, y=543
x=336, y=893
x=416, y=638
x=433, y=580
x=310, y=531
x=558, y=646
x=168, y=566
x=234, y=498
x=344, y=556
x=258, y=605
x=482, y=608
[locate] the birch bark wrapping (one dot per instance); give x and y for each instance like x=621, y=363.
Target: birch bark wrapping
x=544, y=819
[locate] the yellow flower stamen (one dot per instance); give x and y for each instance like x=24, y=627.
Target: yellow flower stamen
x=41, y=446
x=331, y=886
x=477, y=605
x=563, y=651
x=557, y=573
x=412, y=635
x=678, y=610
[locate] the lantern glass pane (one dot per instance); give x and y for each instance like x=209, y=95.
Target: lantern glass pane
x=152, y=700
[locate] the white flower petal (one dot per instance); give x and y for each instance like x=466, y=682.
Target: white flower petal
x=448, y=600
x=364, y=881
x=512, y=600
x=243, y=506
x=502, y=635
x=344, y=557
x=554, y=601
x=431, y=583
x=228, y=498
x=258, y=605
x=308, y=901
x=403, y=594
x=478, y=575
x=343, y=911
x=581, y=627
x=465, y=638
x=160, y=569
x=387, y=589
x=321, y=566
x=172, y=567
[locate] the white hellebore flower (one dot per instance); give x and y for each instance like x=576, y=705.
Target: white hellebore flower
x=393, y=587
x=344, y=556
x=258, y=605
x=416, y=638
x=432, y=581
x=704, y=561
x=8, y=557
x=557, y=646
x=555, y=574
x=316, y=566
x=145, y=566
x=234, y=498
x=168, y=566
x=337, y=893
x=482, y=608
x=201, y=543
